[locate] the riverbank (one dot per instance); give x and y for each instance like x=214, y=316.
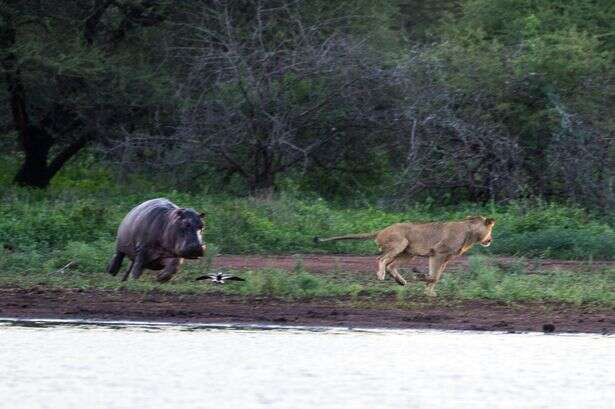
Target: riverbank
x=503, y=294
x=41, y=302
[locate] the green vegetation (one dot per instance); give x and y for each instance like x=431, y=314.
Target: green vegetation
x=64, y=236
x=77, y=222
x=485, y=281
x=482, y=281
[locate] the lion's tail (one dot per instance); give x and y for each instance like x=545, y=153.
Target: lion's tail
x=361, y=236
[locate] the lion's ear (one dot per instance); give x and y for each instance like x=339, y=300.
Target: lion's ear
x=489, y=221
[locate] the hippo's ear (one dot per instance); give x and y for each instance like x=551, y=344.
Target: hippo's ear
x=180, y=212
x=489, y=222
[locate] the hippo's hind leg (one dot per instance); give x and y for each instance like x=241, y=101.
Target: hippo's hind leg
x=171, y=266
x=115, y=263
x=132, y=263
x=136, y=267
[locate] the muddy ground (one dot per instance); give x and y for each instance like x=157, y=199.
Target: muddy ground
x=217, y=308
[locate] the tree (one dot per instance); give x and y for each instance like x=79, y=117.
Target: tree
x=276, y=91
x=74, y=72
x=540, y=73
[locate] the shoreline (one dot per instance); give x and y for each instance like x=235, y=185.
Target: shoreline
x=236, y=326
x=475, y=315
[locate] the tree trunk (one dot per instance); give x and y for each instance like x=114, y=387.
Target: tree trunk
x=36, y=141
x=37, y=170
x=34, y=170
x=262, y=185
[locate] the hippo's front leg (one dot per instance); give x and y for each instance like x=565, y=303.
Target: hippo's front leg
x=171, y=266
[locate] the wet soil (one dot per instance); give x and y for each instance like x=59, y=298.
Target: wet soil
x=385, y=313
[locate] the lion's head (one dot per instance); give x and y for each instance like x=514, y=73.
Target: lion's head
x=482, y=228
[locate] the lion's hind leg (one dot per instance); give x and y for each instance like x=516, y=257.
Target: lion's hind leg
x=398, y=262
x=389, y=257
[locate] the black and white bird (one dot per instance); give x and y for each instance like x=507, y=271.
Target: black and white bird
x=220, y=278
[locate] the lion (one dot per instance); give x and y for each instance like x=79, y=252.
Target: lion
x=440, y=241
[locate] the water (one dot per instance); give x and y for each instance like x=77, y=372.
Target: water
x=77, y=365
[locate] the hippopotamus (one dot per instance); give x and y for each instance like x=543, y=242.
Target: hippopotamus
x=158, y=235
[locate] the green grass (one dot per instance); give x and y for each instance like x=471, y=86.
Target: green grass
x=57, y=220
x=485, y=281
x=482, y=281
x=80, y=213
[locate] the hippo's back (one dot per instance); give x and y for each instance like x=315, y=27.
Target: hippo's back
x=143, y=224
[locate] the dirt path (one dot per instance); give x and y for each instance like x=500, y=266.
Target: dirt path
x=216, y=308
x=317, y=263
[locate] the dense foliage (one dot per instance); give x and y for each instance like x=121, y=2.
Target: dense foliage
x=354, y=100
